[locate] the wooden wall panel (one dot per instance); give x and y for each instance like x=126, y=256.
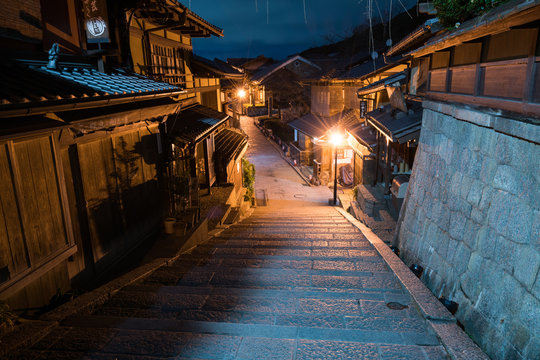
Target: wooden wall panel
x=504, y=81
x=462, y=80
x=12, y=249
x=437, y=80
x=100, y=190
x=149, y=153
x=40, y=198
x=536, y=85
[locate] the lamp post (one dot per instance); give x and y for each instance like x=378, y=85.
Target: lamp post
x=241, y=94
x=336, y=138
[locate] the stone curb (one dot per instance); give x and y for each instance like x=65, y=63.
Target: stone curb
x=458, y=345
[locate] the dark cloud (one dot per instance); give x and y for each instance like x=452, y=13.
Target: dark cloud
x=282, y=31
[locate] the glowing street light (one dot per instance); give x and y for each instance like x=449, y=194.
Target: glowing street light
x=336, y=138
x=241, y=93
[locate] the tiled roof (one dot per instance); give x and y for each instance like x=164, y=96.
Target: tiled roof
x=399, y=78
x=364, y=134
x=316, y=126
x=194, y=123
x=397, y=125
x=230, y=143
x=266, y=71
x=32, y=84
x=217, y=66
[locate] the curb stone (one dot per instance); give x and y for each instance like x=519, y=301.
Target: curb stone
x=458, y=345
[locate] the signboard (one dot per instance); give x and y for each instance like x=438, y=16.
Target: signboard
x=363, y=108
x=96, y=23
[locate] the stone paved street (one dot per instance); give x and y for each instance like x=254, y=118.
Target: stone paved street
x=295, y=280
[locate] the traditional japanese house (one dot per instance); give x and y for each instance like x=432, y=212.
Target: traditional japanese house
x=230, y=78
x=160, y=37
x=282, y=87
x=312, y=134
x=82, y=173
x=82, y=144
x=397, y=122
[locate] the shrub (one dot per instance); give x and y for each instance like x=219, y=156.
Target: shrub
x=451, y=12
x=248, y=178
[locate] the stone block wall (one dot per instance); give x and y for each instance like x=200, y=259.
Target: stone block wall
x=472, y=220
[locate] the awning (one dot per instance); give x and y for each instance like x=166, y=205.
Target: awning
x=365, y=135
x=230, y=143
x=195, y=123
x=394, y=80
x=396, y=125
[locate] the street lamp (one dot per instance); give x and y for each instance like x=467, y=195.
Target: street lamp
x=336, y=138
x=241, y=94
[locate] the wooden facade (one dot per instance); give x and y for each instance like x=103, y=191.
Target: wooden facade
x=36, y=234
x=493, y=66
x=164, y=52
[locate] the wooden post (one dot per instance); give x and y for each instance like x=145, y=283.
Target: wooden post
x=378, y=159
x=207, y=164
x=388, y=167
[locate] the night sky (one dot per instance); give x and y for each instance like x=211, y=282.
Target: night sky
x=248, y=34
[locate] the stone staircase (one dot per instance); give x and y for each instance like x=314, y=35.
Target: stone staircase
x=295, y=283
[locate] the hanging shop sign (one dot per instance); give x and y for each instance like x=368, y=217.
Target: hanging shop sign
x=363, y=108
x=96, y=22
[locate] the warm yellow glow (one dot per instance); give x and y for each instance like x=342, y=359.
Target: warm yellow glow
x=336, y=138
x=241, y=93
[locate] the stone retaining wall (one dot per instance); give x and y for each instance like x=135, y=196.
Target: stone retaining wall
x=472, y=220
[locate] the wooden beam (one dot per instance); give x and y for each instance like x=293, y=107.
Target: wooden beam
x=497, y=103
x=62, y=190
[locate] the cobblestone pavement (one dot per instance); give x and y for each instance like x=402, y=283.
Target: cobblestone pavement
x=295, y=280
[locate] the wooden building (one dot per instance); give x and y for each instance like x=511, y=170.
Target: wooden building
x=279, y=85
x=160, y=37
x=83, y=140
x=82, y=173
x=230, y=78
x=489, y=63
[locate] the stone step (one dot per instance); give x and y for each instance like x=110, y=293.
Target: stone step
x=147, y=327
x=370, y=257
x=232, y=216
x=295, y=236
x=323, y=268
x=299, y=292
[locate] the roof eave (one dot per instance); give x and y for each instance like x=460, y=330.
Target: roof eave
x=508, y=15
